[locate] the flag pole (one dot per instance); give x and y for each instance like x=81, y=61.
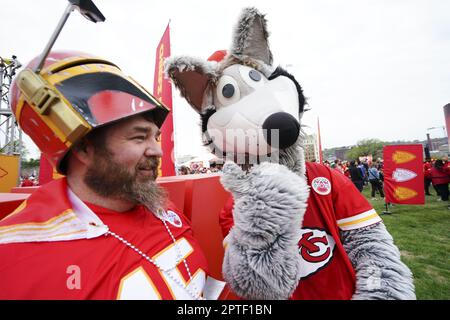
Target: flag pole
x=386, y=211
x=386, y=204
x=320, y=142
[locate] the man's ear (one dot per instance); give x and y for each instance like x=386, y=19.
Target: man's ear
x=193, y=77
x=83, y=152
x=250, y=38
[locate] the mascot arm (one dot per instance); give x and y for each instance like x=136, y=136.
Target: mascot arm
x=261, y=257
x=380, y=274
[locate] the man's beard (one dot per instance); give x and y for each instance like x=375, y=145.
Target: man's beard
x=110, y=179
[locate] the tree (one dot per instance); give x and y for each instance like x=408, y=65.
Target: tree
x=17, y=147
x=366, y=147
x=23, y=151
x=30, y=164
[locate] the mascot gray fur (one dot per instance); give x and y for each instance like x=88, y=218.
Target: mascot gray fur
x=242, y=91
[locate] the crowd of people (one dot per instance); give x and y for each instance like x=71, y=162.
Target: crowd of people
x=362, y=173
x=437, y=173
x=29, y=181
x=196, y=168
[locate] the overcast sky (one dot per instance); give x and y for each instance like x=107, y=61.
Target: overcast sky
x=370, y=69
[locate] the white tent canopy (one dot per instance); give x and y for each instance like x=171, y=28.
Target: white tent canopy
x=205, y=159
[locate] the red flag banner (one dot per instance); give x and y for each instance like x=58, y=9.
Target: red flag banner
x=403, y=174
x=162, y=90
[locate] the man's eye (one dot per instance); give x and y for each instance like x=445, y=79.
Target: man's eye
x=139, y=138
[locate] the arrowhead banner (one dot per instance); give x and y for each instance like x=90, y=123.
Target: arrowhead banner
x=162, y=90
x=403, y=174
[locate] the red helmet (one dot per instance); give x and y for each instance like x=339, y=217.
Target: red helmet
x=74, y=94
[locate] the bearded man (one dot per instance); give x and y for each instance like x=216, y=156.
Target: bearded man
x=106, y=230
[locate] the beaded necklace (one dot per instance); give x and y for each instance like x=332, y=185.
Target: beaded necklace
x=161, y=214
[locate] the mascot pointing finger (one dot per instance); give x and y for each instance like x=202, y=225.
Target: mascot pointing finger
x=293, y=230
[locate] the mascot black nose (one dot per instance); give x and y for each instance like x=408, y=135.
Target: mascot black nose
x=287, y=126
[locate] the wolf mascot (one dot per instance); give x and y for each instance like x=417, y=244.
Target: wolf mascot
x=294, y=230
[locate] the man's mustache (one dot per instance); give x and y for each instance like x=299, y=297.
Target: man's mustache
x=149, y=163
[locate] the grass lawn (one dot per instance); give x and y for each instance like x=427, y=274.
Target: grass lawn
x=422, y=233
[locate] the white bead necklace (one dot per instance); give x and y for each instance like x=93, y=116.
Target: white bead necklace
x=196, y=294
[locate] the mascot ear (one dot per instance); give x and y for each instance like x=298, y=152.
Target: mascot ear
x=193, y=77
x=251, y=37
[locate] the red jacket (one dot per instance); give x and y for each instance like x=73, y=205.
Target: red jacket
x=439, y=176
x=27, y=183
x=427, y=170
x=54, y=247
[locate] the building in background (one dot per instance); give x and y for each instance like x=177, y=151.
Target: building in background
x=311, y=147
x=339, y=153
x=447, y=124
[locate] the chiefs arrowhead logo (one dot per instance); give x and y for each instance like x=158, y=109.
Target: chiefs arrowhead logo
x=316, y=250
x=400, y=157
x=321, y=185
x=402, y=175
x=402, y=193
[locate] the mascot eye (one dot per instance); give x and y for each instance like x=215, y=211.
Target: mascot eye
x=251, y=77
x=227, y=90
x=254, y=75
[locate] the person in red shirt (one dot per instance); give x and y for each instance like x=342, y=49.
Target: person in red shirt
x=440, y=177
x=345, y=169
x=446, y=162
x=427, y=176
x=106, y=230
x=27, y=182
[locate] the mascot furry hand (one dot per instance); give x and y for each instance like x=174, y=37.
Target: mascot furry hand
x=293, y=229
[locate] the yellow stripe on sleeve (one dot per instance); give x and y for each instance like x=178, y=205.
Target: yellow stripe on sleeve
x=363, y=219
x=358, y=221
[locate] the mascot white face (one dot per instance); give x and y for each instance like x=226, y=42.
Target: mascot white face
x=249, y=109
x=261, y=114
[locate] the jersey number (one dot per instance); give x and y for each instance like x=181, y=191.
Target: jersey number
x=137, y=285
